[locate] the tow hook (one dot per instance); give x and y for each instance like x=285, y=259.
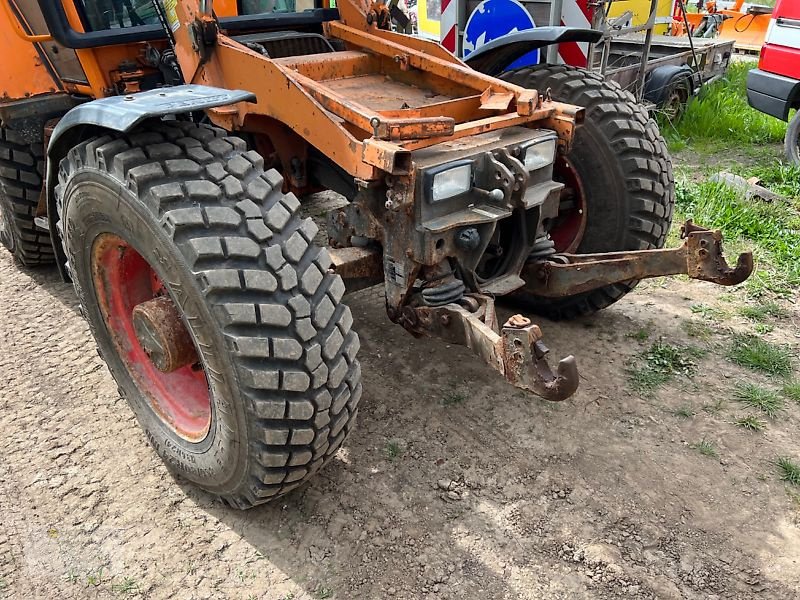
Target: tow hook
x=516, y=350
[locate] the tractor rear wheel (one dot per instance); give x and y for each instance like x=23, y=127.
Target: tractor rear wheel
x=21, y=165
x=619, y=187
x=218, y=317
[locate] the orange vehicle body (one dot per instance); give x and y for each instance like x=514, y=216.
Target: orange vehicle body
x=27, y=75
x=748, y=30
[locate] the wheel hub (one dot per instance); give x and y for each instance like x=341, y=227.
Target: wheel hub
x=162, y=334
x=150, y=337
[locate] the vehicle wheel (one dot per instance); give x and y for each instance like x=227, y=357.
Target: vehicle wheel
x=675, y=99
x=218, y=317
x=619, y=186
x=792, y=141
x=21, y=165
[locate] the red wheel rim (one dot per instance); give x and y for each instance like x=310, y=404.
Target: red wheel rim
x=124, y=279
x=568, y=228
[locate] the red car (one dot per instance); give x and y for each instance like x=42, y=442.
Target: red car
x=774, y=87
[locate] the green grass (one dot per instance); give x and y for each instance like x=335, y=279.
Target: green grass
x=751, y=423
x=452, y=398
x=791, y=390
x=706, y=448
x=394, y=450
x=685, y=412
x=697, y=329
x=763, y=311
x=712, y=313
x=640, y=335
x=660, y=363
x=94, y=578
x=127, y=586
x=765, y=400
x=760, y=355
x=721, y=114
x=779, y=177
x=790, y=471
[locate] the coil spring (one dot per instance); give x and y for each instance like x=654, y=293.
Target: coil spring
x=449, y=292
x=543, y=248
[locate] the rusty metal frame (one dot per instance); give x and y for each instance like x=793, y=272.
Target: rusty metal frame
x=699, y=257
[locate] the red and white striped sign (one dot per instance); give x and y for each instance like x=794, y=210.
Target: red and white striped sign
x=575, y=13
x=449, y=25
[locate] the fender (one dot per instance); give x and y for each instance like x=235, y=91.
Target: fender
x=123, y=114
x=495, y=57
x=658, y=81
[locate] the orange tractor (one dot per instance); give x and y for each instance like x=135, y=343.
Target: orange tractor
x=156, y=151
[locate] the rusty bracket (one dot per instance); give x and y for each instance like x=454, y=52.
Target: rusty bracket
x=700, y=257
x=515, y=350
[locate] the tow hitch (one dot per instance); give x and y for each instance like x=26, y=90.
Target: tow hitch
x=700, y=257
x=515, y=349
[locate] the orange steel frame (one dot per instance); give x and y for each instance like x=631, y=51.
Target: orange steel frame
x=294, y=92
x=363, y=141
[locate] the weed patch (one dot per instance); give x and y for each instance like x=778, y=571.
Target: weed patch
x=791, y=390
x=751, y=423
x=660, y=363
x=758, y=397
x=706, y=448
x=790, y=471
x=761, y=312
x=758, y=354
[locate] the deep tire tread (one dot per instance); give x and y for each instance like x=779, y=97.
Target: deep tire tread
x=643, y=157
x=21, y=176
x=227, y=216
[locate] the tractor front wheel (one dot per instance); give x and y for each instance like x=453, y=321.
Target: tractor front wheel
x=619, y=190
x=218, y=317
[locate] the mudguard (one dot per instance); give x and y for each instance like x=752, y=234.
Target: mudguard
x=495, y=57
x=122, y=114
x=656, y=88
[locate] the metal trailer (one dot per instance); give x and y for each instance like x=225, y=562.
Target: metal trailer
x=676, y=68
x=661, y=71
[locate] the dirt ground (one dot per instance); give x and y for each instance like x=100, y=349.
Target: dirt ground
x=454, y=484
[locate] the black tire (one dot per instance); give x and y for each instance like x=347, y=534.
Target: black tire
x=21, y=175
x=792, y=141
x=258, y=296
x=626, y=172
x=676, y=98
